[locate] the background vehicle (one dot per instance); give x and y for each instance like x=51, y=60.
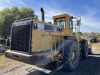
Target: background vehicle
x=8, y=40
x=40, y=43
x=2, y=49
x=93, y=39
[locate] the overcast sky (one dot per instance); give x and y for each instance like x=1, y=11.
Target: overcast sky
x=89, y=10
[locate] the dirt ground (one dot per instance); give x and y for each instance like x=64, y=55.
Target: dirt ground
x=89, y=66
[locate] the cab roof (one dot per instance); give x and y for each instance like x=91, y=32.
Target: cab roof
x=62, y=15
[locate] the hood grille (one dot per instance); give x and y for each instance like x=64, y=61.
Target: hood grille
x=20, y=40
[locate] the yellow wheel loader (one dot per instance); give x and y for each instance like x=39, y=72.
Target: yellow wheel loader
x=40, y=43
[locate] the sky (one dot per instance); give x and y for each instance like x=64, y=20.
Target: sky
x=89, y=10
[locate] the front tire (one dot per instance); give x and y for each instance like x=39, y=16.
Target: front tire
x=71, y=55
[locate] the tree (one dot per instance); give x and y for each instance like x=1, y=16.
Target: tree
x=8, y=16
x=26, y=12
x=15, y=12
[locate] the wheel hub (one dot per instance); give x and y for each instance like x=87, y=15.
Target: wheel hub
x=74, y=55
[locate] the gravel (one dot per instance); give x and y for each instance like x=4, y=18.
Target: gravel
x=89, y=66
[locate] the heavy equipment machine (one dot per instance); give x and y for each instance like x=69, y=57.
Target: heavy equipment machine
x=40, y=43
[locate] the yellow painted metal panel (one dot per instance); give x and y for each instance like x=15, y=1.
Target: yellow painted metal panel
x=43, y=40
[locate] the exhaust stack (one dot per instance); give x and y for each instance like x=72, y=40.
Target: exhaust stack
x=42, y=14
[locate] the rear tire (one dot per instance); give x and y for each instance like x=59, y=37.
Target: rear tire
x=84, y=49
x=95, y=41
x=71, y=55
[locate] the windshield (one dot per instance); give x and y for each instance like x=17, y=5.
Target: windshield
x=61, y=23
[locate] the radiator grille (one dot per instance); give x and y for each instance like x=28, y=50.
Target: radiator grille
x=21, y=38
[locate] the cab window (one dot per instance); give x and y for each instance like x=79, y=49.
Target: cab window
x=61, y=23
x=71, y=24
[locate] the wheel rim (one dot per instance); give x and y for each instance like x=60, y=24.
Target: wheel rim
x=74, y=55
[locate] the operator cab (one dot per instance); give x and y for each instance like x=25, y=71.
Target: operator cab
x=64, y=21
x=69, y=23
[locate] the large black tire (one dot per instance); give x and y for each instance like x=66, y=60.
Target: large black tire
x=95, y=40
x=70, y=60
x=84, y=49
